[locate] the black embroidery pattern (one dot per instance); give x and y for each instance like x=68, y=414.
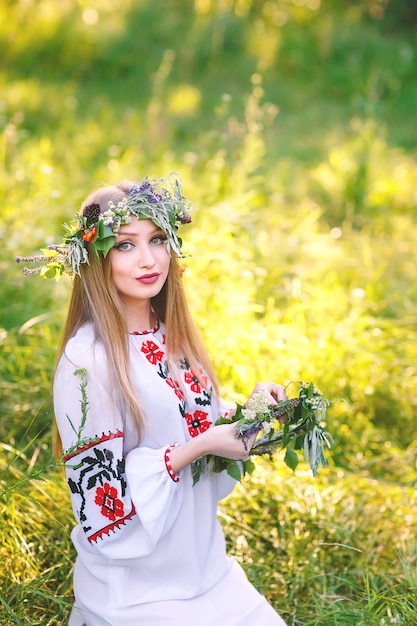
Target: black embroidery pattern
x=205, y=400
x=94, y=467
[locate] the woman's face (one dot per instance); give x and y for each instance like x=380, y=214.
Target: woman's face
x=139, y=261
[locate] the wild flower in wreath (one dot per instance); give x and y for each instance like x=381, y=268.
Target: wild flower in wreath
x=295, y=424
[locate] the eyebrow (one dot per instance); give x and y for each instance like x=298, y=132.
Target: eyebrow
x=131, y=234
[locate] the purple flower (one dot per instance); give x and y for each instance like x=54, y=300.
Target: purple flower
x=247, y=430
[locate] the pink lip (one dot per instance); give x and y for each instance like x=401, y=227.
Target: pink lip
x=148, y=279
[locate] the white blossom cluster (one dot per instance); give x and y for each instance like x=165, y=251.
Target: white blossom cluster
x=305, y=386
x=257, y=407
x=316, y=402
x=267, y=428
x=116, y=216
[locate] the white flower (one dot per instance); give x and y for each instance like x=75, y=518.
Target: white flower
x=108, y=216
x=267, y=427
x=258, y=403
x=249, y=414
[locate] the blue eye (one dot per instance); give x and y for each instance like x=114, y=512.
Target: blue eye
x=124, y=245
x=158, y=239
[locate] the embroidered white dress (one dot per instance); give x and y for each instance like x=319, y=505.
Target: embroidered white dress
x=150, y=550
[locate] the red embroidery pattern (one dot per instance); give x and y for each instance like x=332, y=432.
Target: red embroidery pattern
x=200, y=387
x=152, y=352
x=92, y=443
x=197, y=422
x=106, y=530
x=192, y=380
x=107, y=498
x=167, y=459
x=175, y=386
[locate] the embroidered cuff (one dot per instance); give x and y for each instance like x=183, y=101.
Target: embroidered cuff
x=170, y=471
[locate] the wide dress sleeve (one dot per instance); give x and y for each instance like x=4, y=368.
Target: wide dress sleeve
x=123, y=496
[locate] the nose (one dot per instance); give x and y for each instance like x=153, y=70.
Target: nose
x=146, y=256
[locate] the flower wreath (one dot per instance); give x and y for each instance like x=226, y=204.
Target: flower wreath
x=159, y=200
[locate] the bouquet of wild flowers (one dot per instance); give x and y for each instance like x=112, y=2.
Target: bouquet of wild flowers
x=295, y=424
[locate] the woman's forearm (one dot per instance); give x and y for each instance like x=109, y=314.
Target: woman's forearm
x=185, y=454
x=219, y=440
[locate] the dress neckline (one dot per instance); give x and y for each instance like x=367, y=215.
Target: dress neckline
x=149, y=331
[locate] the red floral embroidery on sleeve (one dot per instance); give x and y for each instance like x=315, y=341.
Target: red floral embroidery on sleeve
x=107, y=498
x=197, y=422
x=152, y=352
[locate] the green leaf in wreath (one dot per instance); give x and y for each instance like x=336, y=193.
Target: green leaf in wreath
x=197, y=469
x=298, y=412
x=286, y=434
x=233, y=470
x=238, y=415
x=305, y=411
x=222, y=420
x=54, y=269
x=218, y=463
x=248, y=467
x=291, y=458
x=299, y=443
x=104, y=241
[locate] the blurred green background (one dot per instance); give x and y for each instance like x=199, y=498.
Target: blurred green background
x=292, y=124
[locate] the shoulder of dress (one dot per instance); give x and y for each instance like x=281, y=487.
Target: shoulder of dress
x=84, y=350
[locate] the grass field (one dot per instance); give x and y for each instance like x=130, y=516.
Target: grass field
x=292, y=124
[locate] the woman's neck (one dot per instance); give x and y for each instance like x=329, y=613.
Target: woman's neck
x=140, y=318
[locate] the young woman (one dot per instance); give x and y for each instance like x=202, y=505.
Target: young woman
x=135, y=403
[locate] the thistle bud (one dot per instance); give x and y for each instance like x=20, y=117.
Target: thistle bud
x=92, y=213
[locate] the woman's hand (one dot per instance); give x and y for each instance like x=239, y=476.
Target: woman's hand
x=222, y=440
x=274, y=393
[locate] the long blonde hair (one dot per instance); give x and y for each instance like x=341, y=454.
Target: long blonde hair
x=95, y=300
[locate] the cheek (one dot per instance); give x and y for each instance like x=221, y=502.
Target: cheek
x=117, y=268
